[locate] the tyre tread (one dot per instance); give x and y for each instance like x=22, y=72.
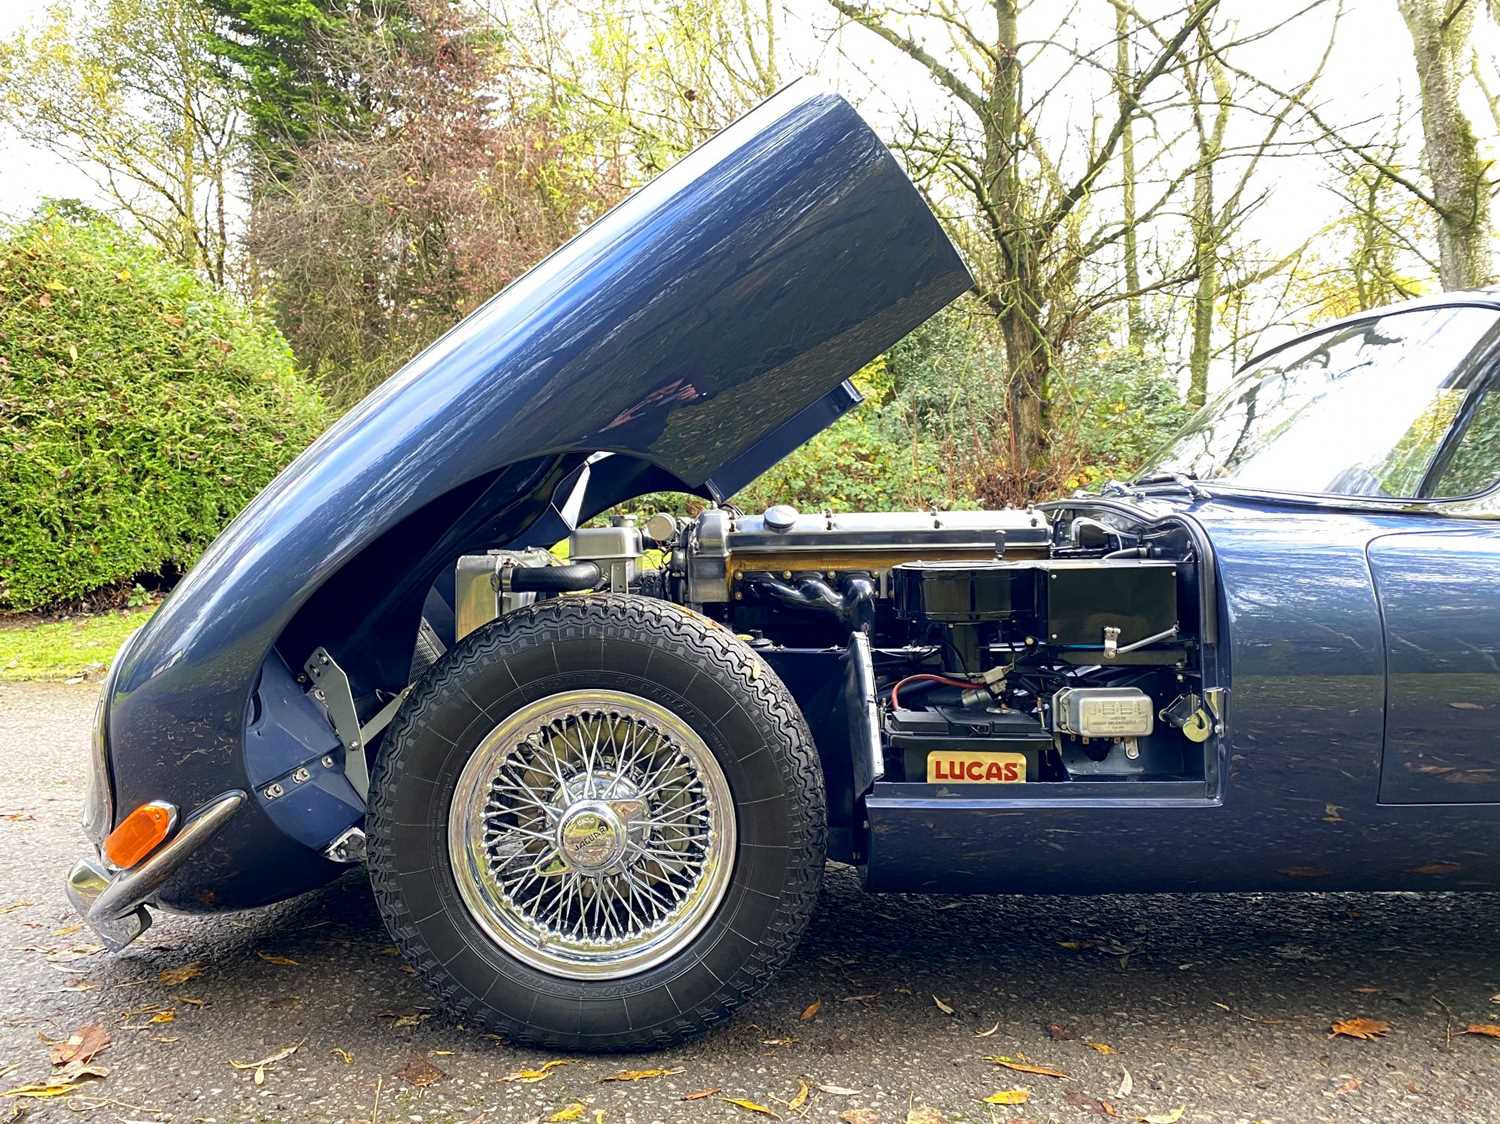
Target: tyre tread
x=794, y=753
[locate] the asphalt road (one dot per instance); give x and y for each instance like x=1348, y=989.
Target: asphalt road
x=1218, y=1005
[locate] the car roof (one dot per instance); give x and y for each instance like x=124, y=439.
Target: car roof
x=1457, y=298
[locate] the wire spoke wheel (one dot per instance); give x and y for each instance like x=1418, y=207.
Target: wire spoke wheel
x=592, y=834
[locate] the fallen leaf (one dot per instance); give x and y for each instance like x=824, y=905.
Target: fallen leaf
x=171, y=977
x=411, y=1018
x=272, y=958
x=573, y=1111
x=67, y=954
x=1127, y=1084
x=800, y=1097
x=923, y=1114
x=941, y=1006
x=1484, y=1030
x=777, y=1041
x=541, y=1073
x=1349, y=1086
x=866, y=998
x=700, y=1095
x=1009, y=1096
x=1436, y=868
x=166, y=1016
x=1304, y=872
x=343, y=1055
x=1100, y=1047
x=1171, y=1117
x=1025, y=1067
x=60, y=1084
x=420, y=1073
x=260, y=1066
x=1059, y=1033
x=641, y=1074
x=750, y=1106
x=1361, y=1028
x=13, y=906
x=838, y=1091
x=988, y=1033
x=810, y=1012
x=1091, y=1105
x=81, y=1045
x=859, y=1116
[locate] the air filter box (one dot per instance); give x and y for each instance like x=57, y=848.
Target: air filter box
x=965, y=592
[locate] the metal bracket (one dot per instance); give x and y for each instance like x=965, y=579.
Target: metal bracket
x=348, y=847
x=383, y=717
x=330, y=686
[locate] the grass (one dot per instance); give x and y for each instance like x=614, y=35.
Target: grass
x=73, y=647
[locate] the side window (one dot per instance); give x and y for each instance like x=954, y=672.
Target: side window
x=1474, y=465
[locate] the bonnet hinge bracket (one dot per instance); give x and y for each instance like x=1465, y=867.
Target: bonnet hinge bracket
x=330, y=687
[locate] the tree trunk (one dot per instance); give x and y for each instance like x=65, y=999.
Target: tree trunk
x=1208, y=231
x=1124, y=79
x=1020, y=304
x=1440, y=34
x=1027, y=365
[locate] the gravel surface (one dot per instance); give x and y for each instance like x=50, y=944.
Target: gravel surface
x=1219, y=1005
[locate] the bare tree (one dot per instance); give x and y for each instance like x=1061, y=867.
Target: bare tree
x=1027, y=212
x=1037, y=207
x=1441, y=36
x=1215, y=216
x=126, y=91
x=644, y=82
x=1130, y=241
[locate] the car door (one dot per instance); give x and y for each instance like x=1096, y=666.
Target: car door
x=1438, y=586
x=1439, y=594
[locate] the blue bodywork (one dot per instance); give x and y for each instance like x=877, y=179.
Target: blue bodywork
x=1318, y=785
x=695, y=335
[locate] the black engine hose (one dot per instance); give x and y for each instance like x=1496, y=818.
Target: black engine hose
x=572, y=577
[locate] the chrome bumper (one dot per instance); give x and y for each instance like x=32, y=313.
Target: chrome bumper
x=113, y=903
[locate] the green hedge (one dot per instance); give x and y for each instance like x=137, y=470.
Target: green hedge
x=140, y=409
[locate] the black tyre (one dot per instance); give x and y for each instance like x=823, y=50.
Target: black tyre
x=597, y=824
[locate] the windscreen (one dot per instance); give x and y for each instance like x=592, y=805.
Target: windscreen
x=1362, y=409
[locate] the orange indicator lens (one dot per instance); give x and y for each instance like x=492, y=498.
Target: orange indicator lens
x=139, y=834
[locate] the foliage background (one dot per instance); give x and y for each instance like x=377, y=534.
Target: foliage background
x=140, y=409
x=298, y=195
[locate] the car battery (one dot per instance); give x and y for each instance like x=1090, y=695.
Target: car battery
x=964, y=745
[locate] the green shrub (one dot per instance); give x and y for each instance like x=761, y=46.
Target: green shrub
x=140, y=409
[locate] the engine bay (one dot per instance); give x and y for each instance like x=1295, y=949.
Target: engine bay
x=972, y=648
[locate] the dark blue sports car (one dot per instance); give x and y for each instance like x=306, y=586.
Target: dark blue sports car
x=595, y=788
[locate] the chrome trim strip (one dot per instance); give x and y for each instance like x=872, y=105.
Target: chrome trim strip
x=114, y=906
x=99, y=797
